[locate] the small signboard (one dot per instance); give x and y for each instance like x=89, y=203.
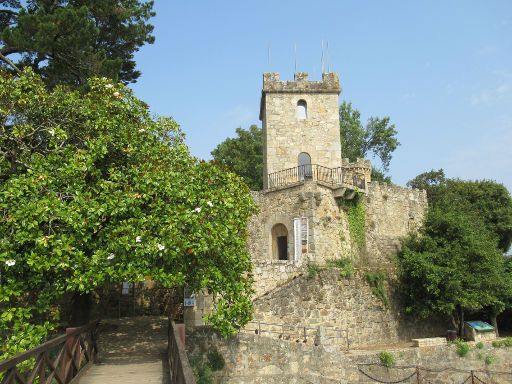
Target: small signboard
x=189, y=299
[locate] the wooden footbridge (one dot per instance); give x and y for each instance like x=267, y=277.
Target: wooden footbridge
x=147, y=350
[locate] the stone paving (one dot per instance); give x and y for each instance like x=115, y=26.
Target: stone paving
x=131, y=350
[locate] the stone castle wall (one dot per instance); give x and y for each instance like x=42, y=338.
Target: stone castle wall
x=391, y=213
x=327, y=300
x=253, y=359
x=328, y=231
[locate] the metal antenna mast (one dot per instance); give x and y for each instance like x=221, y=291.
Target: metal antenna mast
x=322, y=59
x=295, y=54
x=328, y=59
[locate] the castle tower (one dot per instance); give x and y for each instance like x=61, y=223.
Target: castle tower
x=301, y=125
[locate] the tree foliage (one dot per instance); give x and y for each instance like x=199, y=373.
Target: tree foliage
x=93, y=190
x=452, y=266
x=243, y=155
x=456, y=263
x=377, y=138
x=67, y=41
x=489, y=200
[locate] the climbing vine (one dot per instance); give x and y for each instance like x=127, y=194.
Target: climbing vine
x=356, y=215
x=376, y=281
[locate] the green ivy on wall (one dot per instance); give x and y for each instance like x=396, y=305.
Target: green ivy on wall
x=376, y=280
x=356, y=215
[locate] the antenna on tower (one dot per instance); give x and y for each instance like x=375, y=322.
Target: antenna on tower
x=328, y=59
x=268, y=56
x=322, y=59
x=295, y=54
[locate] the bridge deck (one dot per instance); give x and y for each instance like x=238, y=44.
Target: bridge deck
x=131, y=350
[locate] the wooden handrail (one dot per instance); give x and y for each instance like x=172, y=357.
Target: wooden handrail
x=74, y=353
x=180, y=371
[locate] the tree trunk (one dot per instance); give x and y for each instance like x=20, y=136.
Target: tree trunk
x=81, y=304
x=494, y=322
x=461, y=320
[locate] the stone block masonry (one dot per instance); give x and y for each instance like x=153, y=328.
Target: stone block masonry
x=253, y=359
x=285, y=134
x=329, y=300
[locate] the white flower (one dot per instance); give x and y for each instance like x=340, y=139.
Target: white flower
x=51, y=132
x=116, y=94
x=142, y=130
x=109, y=86
x=197, y=209
x=10, y=262
x=111, y=256
x=209, y=203
x=138, y=239
x=161, y=247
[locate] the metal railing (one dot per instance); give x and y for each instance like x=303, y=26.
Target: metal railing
x=63, y=359
x=423, y=375
x=180, y=371
x=315, y=172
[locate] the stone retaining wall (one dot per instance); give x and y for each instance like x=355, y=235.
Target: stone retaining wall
x=349, y=304
x=252, y=359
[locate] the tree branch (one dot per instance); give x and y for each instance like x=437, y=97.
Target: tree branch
x=8, y=61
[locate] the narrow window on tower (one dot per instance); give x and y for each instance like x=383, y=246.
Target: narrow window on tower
x=302, y=110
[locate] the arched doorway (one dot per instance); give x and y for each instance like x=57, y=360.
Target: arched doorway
x=305, y=169
x=279, y=242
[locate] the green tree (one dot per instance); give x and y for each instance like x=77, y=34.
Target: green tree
x=487, y=199
x=67, y=41
x=93, y=190
x=453, y=266
x=243, y=155
x=377, y=138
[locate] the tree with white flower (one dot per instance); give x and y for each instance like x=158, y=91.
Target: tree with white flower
x=96, y=202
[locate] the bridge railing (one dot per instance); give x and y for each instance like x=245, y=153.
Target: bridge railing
x=180, y=371
x=62, y=359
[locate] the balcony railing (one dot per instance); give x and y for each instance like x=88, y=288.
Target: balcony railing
x=315, y=172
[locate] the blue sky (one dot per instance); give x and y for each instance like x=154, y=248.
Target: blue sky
x=442, y=71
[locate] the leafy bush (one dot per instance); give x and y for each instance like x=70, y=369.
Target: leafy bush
x=312, y=271
x=344, y=265
x=490, y=359
x=507, y=343
x=462, y=348
x=387, y=359
x=479, y=345
x=376, y=282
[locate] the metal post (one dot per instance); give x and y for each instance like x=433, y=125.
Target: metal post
x=472, y=377
x=259, y=328
x=418, y=374
x=305, y=335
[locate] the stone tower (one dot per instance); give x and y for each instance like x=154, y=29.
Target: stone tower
x=300, y=121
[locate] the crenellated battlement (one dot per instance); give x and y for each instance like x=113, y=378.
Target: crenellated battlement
x=272, y=83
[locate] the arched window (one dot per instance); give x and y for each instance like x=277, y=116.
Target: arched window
x=302, y=110
x=279, y=242
x=305, y=169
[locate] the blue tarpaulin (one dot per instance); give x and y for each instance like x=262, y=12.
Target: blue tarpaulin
x=481, y=326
